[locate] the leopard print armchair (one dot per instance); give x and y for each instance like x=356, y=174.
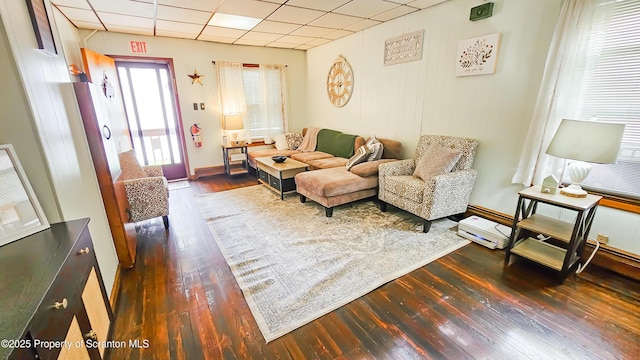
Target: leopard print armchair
x=145, y=188
x=438, y=196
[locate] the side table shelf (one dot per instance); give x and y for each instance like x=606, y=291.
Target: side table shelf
x=235, y=164
x=551, y=242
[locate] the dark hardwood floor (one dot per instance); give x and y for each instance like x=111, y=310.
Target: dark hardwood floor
x=182, y=298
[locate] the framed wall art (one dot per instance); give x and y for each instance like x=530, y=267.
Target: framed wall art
x=41, y=26
x=477, y=56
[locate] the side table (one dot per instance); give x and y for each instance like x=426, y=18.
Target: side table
x=562, y=241
x=235, y=163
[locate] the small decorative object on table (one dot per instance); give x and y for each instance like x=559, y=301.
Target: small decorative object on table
x=550, y=185
x=279, y=158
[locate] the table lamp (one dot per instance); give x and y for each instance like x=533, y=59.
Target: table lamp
x=585, y=142
x=233, y=123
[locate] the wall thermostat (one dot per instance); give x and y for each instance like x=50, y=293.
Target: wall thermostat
x=481, y=11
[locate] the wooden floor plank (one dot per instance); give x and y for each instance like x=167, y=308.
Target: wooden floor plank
x=182, y=297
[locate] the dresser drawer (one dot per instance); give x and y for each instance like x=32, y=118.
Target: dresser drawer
x=63, y=299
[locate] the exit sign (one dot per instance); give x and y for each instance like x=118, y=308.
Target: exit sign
x=138, y=47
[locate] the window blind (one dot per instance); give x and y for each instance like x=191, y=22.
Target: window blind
x=611, y=87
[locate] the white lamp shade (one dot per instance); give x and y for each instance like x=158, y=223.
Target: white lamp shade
x=588, y=141
x=233, y=122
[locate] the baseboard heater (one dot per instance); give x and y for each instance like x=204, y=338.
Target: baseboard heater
x=484, y=232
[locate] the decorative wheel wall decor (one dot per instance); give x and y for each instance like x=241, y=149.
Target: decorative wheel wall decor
x=340, y=82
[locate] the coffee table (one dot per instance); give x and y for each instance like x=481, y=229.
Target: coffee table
x=279, y=176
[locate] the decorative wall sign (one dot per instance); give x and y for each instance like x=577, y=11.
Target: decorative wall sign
x=403, y=48
x=478, y=56
x=41, y=25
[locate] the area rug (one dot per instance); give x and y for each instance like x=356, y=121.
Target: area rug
x=294, y=264
x=175, y=185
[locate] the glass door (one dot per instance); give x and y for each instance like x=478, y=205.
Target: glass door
x=148, y=94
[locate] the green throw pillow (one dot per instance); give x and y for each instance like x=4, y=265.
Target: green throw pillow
x=335, y=143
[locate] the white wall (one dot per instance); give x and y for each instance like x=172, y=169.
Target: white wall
x=425, y=97
x=190, y=55
x=65, y=162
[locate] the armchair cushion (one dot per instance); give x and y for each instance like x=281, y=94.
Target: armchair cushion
x=129, y=166
x=436, y=160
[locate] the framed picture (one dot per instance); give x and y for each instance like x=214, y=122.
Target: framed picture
x=477, y=56
x=20, y=211
x=41, y=26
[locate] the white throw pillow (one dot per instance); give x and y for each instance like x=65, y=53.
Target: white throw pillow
x=281, y=142
x=375, y=148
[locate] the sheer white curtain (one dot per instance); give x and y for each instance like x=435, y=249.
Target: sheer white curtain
x=231, y=89
x=566, y=65
x=273, y=112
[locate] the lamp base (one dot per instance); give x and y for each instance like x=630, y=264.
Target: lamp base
x=573, y=190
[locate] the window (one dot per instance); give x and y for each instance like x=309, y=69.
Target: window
x=258, y=93
x=611, y=93
x=264, y=100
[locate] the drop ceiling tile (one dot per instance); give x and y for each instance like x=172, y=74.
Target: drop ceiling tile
x=130, y=30
x=304, y=47
x=312, y=31
x=123, y=7
x=183, y=15
x=219, y=39
x=283, y=45
x=365, y=8
x=276, y=27
x=403, y=2
x=88, y=25
x=251, y=42
x=78, y=4
x=362, y=25
x=223, y=32
x=298, y=40
x=295, y=15
x=254, y=35
x=337, y=34
x=179, y=27
x=316, y=42
x=75, y=14
x=125, y=20
x=335, y=21
x=176, y=34
x=250, y=8
x=394, y=13
x=423, y=4
x=324, y=5
x=203, y=5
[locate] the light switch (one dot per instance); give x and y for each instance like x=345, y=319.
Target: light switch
x=201, y=106
x=195, y=106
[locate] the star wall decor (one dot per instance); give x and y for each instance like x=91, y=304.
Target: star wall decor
x=195, y=78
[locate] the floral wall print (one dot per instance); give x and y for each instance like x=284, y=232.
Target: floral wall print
x=477, y=56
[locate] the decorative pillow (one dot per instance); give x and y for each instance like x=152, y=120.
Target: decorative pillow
x=293, y=140
x=129, y=166
x=369, y=168
x=361, y=155
x=436, y=160
x=281, y=142
x=375, y=148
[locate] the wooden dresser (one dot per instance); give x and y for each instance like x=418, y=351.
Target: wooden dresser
x=53, y=303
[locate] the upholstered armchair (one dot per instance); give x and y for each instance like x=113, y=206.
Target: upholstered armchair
x=145, y=189
x=436, y=183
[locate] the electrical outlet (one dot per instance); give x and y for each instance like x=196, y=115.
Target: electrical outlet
x=603, y=239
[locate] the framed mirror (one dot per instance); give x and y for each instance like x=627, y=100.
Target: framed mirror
x=20, y=212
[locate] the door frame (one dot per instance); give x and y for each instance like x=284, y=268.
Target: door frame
x=172, y=75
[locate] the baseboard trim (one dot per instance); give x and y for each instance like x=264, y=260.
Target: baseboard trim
x=208, y=171
x=618, y=261
x=115, y=291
